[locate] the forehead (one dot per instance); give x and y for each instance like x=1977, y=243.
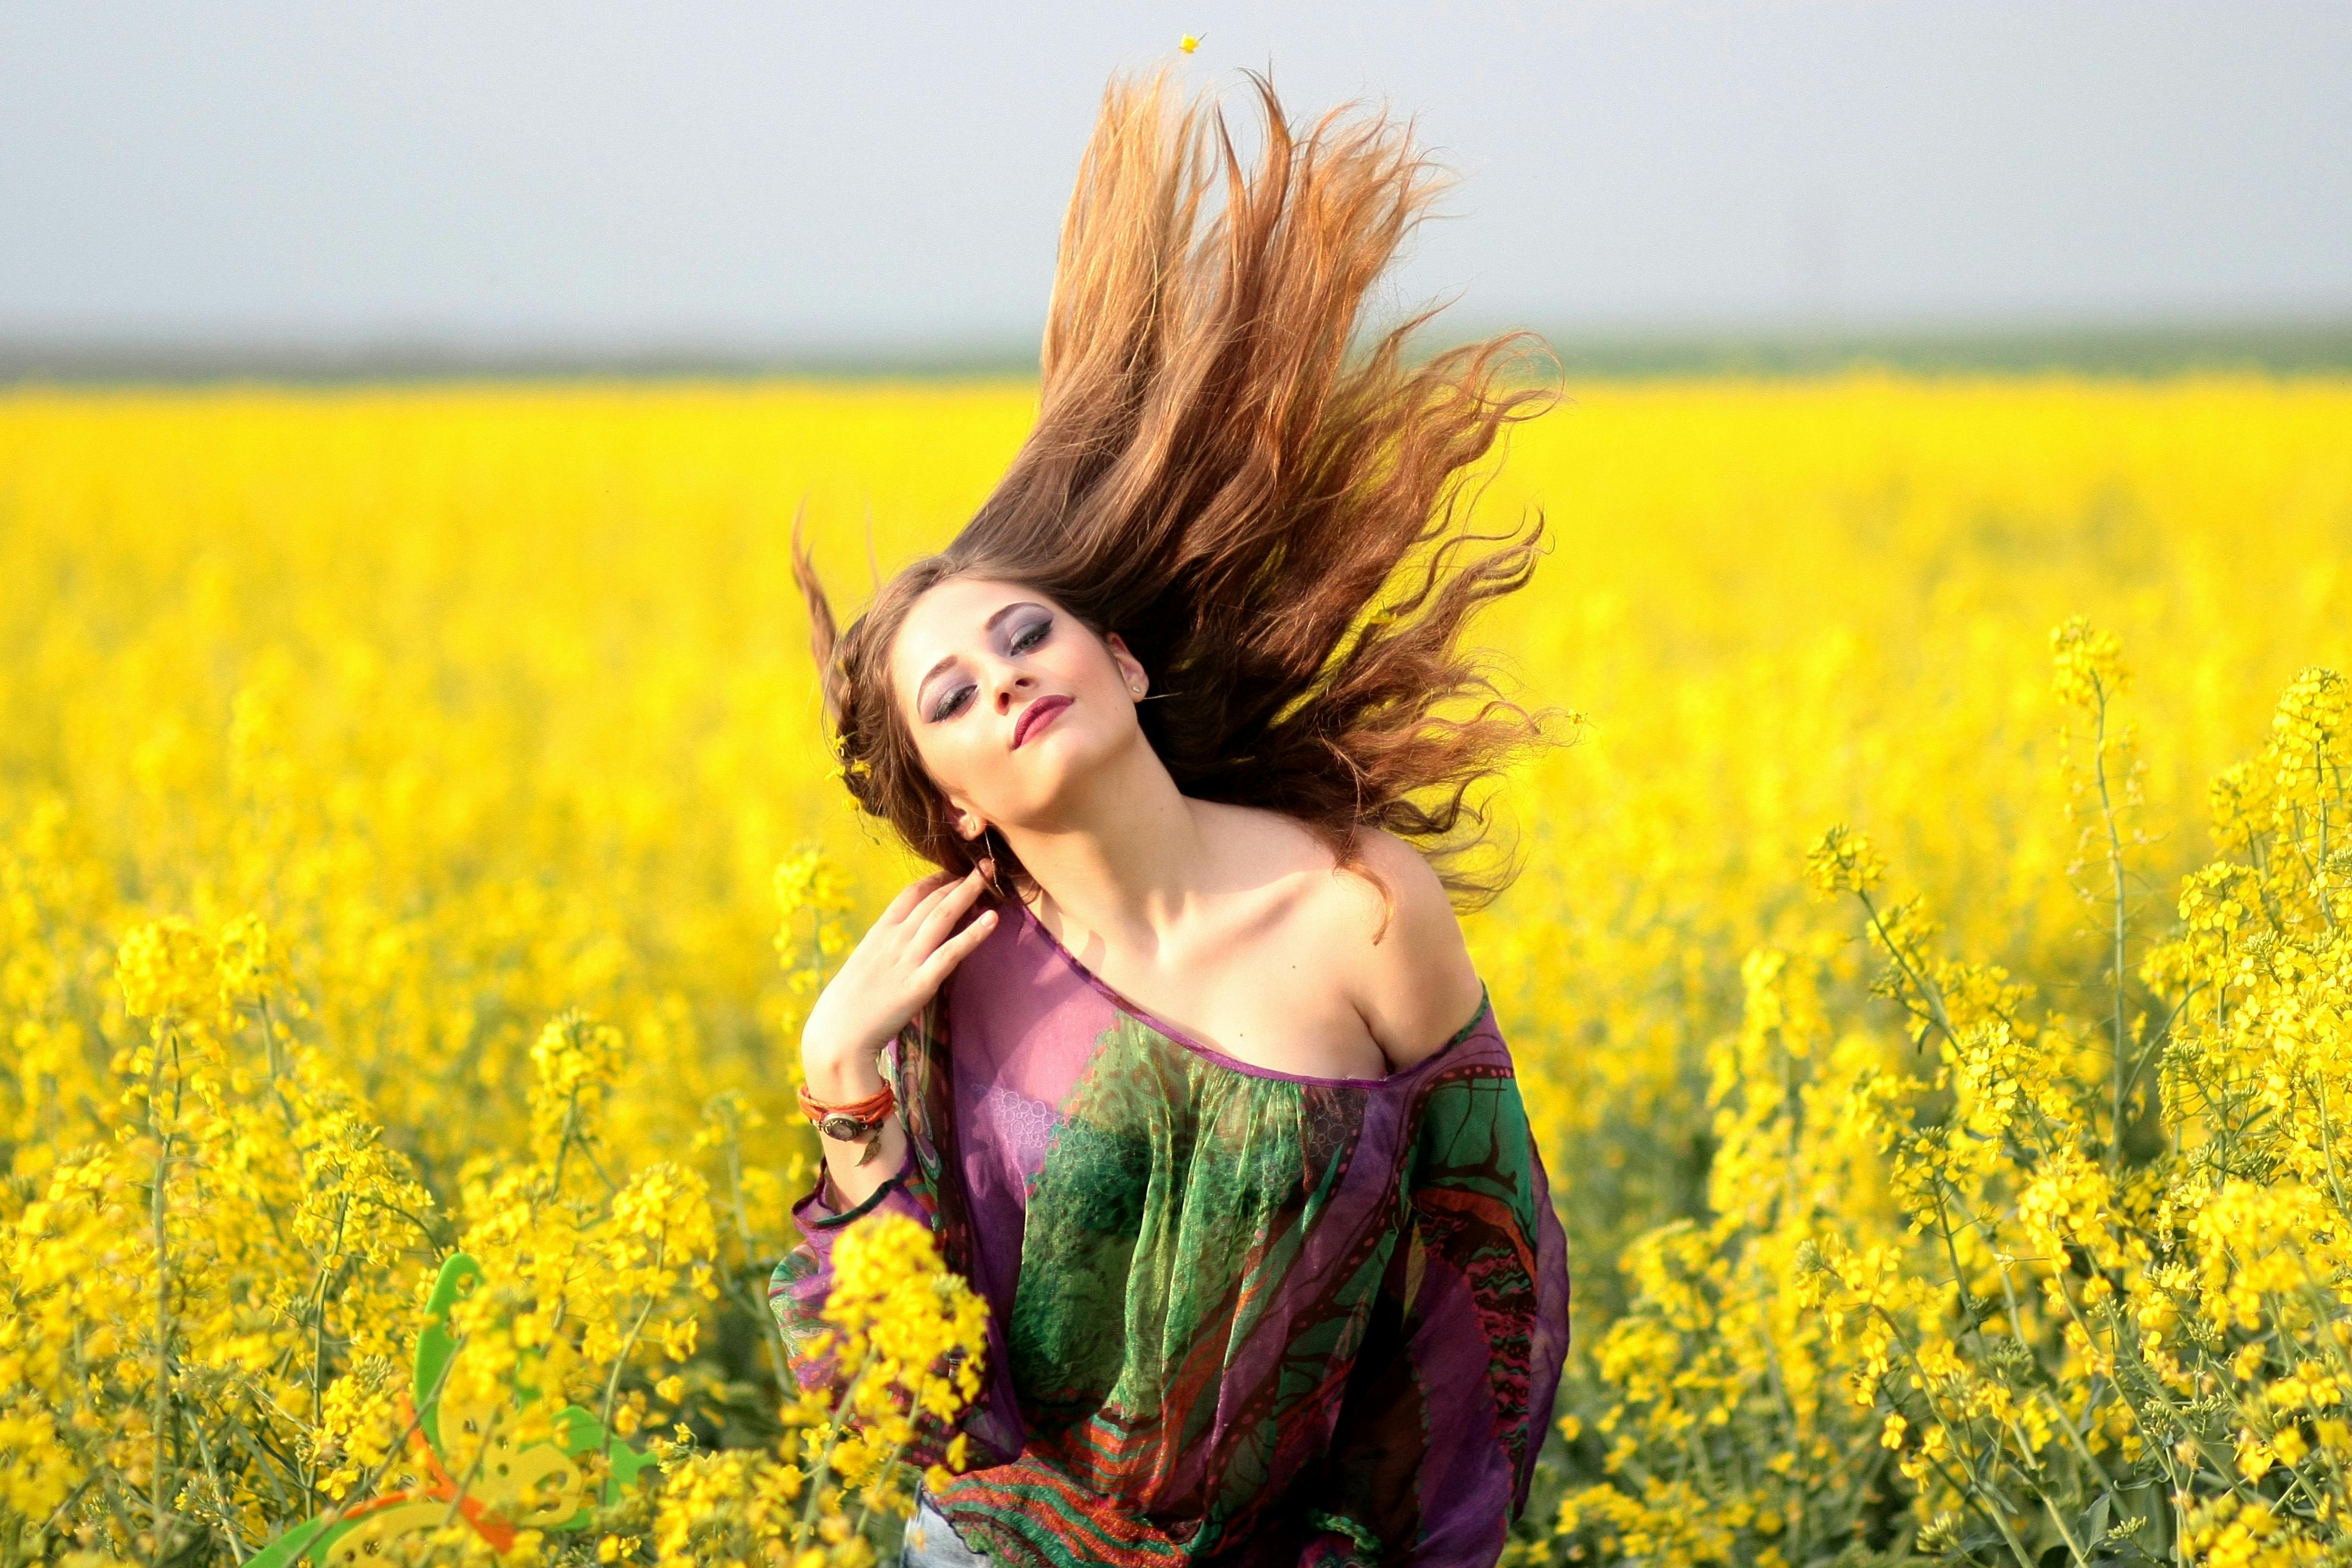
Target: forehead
x=949, y=617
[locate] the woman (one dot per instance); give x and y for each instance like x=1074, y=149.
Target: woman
x=1180, y=1052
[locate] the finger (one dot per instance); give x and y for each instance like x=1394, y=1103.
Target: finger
x=951, y=953
x=912, y=924
x=913, y=893
x=910, y=895
x=948, y=909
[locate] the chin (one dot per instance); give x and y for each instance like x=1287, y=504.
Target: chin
x=1062, y=769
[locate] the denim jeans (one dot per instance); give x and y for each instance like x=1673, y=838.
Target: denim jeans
x=932, y=1542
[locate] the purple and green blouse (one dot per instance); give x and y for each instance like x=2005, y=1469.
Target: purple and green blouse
x=1236, y=1316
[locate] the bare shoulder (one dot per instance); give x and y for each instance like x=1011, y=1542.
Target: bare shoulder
x=1406, y=965
x=1386, y=943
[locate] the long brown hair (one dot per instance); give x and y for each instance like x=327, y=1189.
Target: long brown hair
x=1277, y=528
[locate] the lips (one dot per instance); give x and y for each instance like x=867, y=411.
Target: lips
x=1041, y=710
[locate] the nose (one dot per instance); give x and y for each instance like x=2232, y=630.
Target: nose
x=1009, y=683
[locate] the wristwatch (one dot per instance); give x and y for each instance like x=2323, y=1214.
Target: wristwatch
x=858, y=1122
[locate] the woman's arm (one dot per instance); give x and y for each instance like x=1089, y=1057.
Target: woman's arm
x=882, y=994
x=895, y=968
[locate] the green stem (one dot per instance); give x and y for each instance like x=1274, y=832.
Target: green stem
x=163, y=1413
x=2115, y=870
x=366, y=1486
x=823, y=1470
x=1929, y=993
x=621, y=1361
x=773, y=1336
x=481, y=1453
x=220, y=1494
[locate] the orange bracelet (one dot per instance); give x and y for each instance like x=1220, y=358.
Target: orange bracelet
x=856, y=1121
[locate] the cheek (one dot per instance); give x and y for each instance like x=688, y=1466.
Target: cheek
x=955, y=759
x=1084, y=665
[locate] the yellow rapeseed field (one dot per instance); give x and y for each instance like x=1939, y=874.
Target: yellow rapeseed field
x=1931, y=969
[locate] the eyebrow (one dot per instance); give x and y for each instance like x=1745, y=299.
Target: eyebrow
x=987, y=625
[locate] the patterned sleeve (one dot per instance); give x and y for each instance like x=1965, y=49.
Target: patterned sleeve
x=803, y=1280
x=1451, y=1394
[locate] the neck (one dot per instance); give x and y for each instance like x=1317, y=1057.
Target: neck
x=1124, y=861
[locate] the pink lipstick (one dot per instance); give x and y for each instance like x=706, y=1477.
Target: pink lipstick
x=1040, y=712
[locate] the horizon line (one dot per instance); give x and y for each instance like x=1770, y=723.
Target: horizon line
x=2296, y=343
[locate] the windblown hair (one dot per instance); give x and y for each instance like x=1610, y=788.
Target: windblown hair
x=1276, y=526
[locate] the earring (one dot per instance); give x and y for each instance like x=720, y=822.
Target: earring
x=989, y=855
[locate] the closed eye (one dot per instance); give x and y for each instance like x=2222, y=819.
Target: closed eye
x=954, y=702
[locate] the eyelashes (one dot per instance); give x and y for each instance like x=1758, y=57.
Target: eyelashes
x=1030, y=634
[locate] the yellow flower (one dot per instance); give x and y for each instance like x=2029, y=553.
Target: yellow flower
x=1841, y=860
x=2089, y=669
x=403, y=847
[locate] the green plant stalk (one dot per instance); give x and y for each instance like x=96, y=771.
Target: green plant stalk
x=564, y=1143
x=621, y=1361
x=2116, y=869
x=319, y=1315
x=866, y=1497
x=1930, y=992
x=823, y=1470
x=1976, y=1484
x=2058, y=1411
x=220, y=1495
x=481, y=1452
x=367, y=1485
x=163, y=1405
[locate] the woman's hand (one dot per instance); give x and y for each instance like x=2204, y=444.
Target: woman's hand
x=895, y=968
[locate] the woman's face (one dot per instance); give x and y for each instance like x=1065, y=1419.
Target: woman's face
x=1010, y=698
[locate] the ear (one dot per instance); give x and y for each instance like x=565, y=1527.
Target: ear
x=1130, y=669
x=964, y=821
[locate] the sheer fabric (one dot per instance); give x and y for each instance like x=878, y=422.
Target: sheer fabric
x=1237, y=1316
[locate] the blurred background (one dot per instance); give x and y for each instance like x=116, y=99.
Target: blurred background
x=435, y=186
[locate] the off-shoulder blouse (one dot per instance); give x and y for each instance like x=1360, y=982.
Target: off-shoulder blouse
x=1236, y=1316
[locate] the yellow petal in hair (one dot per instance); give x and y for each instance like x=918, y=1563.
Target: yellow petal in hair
x=1189, y=42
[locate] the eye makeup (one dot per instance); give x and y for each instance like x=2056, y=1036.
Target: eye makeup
x=1023, y=637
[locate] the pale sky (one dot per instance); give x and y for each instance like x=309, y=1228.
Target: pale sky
x=772, y=177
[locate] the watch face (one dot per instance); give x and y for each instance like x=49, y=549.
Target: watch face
x=844, y=1128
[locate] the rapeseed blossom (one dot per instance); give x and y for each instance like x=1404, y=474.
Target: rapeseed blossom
x=2082, y=1281
x=416, y=835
